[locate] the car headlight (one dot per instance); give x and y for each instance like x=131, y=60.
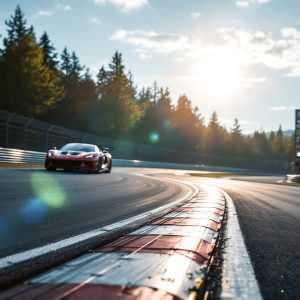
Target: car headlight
x=89, y=156
x=49, y=154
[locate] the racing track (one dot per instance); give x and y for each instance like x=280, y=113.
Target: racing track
x=268, y=214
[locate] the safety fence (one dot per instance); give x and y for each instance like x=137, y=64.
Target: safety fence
x=21, y=156
x=18, y=132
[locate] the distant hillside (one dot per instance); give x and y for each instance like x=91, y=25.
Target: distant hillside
x=286, y=133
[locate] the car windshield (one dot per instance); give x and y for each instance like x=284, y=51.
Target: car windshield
x=79, y=147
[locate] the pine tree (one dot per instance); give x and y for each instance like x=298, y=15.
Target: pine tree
x=155, y=92
x=75, y=69
x=119, y=109
x=102, y=83
x=17, y=28
x=278, y=145
x=279, y=132
x=214, y=138
x=66, y=62
x=26, y=84
x=236, y=127
x=50, y=58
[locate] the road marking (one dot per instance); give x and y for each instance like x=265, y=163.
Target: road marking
x=34, y=253
x=238, y=278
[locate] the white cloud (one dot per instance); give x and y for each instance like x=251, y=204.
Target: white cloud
x=242, y=3
x=246, y=3
x=258, y=48
x=159, y=42
x=44, y=13
x=263, y=1
x=94, y=20
x=195, y=15
x=143, y=55
x=242, y=46
x=279, y=108
x=125, y=5
x=282, y=108
x=290, y=32
x=67, y=7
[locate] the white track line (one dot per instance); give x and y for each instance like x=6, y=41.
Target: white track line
x=34, y=253
x=238, y=278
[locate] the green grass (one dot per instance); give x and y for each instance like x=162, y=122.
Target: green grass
x=16, y=165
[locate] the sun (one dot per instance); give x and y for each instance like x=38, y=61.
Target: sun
x=218, y=76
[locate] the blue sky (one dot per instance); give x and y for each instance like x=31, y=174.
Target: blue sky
x=240, y=58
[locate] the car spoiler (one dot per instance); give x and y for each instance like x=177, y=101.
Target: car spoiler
x=105, y=148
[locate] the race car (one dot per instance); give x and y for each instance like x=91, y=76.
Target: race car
x=78, y=156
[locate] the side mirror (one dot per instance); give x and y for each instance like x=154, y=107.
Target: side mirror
x=54, y=148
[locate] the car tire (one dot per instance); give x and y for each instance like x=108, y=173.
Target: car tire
x=109, y=170
x=50, y=169
x=99, y=169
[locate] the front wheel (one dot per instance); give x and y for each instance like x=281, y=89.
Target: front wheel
x=99, y=169
x=50, y=169
x=109, y=170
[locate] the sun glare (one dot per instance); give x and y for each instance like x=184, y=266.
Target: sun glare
x=218, y=76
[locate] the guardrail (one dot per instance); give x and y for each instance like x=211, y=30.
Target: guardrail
x=18, y=132
x=21, y=156
x=34, y=157
x=293, y=178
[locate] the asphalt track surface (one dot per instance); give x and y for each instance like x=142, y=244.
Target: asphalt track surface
x=269, y=215
x=78, y=203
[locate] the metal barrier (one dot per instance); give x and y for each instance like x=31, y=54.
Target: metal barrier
x=18, y=132
x=21, y=156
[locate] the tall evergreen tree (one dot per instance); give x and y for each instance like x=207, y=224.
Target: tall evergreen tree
x=76, y=68
x=278, y=145
x=118, y=111
x=66, y=64
x=50, y=57
x=26, y=84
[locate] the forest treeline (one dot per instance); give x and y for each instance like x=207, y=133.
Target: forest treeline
x=36, y=82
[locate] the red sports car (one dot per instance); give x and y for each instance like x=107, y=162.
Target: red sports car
x=77, y=156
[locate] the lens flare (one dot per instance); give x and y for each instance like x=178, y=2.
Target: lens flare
x=48, y=190
x=34, y=211
x=154, y=137
x=168, y=123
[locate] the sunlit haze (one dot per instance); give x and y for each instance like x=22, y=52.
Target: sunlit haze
x=240, y=58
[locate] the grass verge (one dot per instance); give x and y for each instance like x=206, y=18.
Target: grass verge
x=16, y=165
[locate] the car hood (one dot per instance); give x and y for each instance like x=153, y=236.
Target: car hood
x=69, y=154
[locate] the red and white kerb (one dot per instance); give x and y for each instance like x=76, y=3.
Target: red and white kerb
x=166, y=259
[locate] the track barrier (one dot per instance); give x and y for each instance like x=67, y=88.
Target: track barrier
x=18, y=132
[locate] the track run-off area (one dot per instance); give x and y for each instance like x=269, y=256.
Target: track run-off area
x=38, y=208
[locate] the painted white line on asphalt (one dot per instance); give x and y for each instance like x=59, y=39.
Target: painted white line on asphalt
x=23, y=256
x=238, y=278
x=34, y=253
